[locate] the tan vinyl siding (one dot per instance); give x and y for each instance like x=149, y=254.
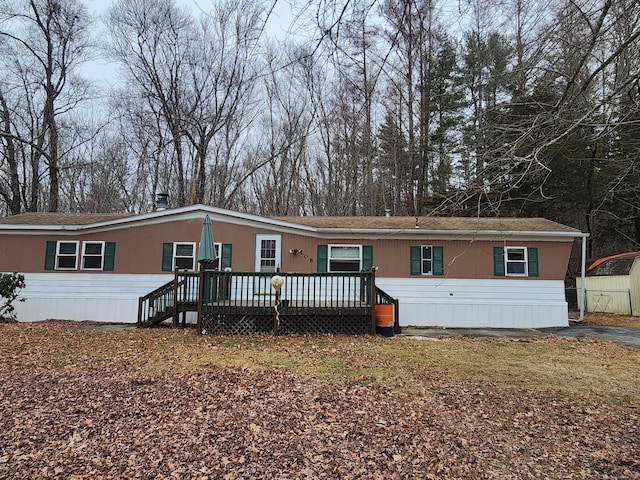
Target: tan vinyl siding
x=139, y=249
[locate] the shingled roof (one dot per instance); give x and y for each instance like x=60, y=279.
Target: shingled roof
x=59, y=218
x=322, y=224
x=433, y=223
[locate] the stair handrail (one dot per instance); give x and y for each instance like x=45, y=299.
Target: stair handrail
x=163, y=291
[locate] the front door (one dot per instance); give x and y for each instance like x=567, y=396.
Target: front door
x=268, y=257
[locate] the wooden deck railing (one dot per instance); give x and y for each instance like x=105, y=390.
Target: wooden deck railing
x=307, y=302
x=312, y=290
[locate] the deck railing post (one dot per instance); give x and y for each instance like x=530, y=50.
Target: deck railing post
x=140, y=302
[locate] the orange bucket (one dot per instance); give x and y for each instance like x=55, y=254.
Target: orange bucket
x=384, y=315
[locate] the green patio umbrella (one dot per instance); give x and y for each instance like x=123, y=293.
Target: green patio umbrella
x=207, y=249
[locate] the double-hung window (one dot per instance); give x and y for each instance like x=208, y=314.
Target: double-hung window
x=344, y=258
x=515, y=261
x=92, y=255
x=66, y=255
x=184, y=255
x=427, y=260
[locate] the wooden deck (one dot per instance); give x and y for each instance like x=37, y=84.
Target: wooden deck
x=245, y=303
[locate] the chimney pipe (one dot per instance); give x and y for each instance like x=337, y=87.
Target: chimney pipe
x=162, y=201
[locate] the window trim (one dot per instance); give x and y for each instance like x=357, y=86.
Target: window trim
x=58, y=255
x=84, y=254
x=507, y=261
x=350, y=245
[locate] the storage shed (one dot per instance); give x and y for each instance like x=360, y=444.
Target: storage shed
x=612, y=284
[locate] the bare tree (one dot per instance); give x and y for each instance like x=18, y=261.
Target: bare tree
x=220, y=79
x=44, y=43
x=151, y=40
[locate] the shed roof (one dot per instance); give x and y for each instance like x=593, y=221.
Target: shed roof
x=619, y=264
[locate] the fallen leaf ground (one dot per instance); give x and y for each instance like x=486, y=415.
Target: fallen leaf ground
x=163, y=403
x=611, y=319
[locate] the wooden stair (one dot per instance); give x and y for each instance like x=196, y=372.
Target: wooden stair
x=169, y=300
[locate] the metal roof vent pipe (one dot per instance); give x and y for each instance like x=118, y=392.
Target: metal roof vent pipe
x=387, y=212
x=162, y=201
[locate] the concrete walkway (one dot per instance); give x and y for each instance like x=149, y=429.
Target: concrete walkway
x=621, y=335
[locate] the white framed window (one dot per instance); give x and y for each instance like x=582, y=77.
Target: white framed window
x=345, y=258
x=67, y=255
x=426, y=259
x=184, y=255
x=515, y=261
x=92, y=255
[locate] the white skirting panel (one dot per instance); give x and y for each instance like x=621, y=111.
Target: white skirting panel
x=452, y=303
x=85, y=296
x=469, y=303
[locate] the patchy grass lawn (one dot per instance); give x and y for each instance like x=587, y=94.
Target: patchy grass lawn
x=164, y=403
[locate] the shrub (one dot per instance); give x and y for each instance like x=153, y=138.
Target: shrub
x=10, y=286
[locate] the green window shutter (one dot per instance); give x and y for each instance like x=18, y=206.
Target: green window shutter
x=109, y=256
x=532, y=257
x=322, y=257
x=225, y=256
x=416, y=260
x=167, y=257
x=367, y=257
x=498, y=261
x=438, y=260
x=50, y=255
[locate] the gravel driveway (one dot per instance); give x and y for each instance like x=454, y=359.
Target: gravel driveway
x=622, y=335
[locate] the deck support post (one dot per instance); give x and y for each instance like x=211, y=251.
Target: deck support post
x=175, y=297
x=372, y=296
x=140, y=304
x=200, y=301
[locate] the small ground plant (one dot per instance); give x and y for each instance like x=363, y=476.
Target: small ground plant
x=11, y=285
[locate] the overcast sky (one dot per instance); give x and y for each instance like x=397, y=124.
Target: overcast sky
x=104, y=72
